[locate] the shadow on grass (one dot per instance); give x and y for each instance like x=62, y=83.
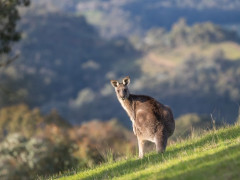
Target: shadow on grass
x=215, y=166
x=131, y=166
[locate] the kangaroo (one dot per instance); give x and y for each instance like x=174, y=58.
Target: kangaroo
x=151, y=120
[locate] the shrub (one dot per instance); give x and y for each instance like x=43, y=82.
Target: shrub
x=24, y=158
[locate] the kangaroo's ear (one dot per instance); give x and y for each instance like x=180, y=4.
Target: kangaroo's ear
x=126, y=80
x=114, y=83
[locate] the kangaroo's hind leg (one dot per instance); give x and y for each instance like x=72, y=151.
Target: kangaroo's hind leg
x=161, y=142
x=140, y=147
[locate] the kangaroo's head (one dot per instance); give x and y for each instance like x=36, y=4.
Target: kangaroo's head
x=121, y=89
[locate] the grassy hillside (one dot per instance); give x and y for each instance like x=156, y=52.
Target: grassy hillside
x=214, y=155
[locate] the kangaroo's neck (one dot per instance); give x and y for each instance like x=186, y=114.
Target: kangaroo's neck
x=129, y=106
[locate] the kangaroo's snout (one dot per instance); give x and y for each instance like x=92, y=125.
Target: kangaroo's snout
x=122, y=92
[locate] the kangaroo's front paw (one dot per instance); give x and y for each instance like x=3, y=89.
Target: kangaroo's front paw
x=134, y=130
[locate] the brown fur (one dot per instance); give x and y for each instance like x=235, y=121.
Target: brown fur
x=152, y=121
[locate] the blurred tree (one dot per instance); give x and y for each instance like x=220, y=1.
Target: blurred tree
x=192, y=124
x=25, y=158
x=179, y=32
x=8, y=33
x=183, y=35
x=96, y=138
x=19, y=118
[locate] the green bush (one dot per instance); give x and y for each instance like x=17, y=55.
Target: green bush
x=25, y=158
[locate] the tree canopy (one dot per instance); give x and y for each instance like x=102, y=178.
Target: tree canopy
x=8, y=19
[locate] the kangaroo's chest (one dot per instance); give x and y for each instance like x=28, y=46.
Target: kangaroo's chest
x=129, y=108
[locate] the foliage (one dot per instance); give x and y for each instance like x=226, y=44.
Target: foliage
x=25, y=158
x=33, y=144
x=8, y=19
x=182, y=34
x=99, y=139
x=193, y=124
x=20, y=118
x=29, y=140
x=217, y=75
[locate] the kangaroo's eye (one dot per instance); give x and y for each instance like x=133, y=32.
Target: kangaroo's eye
x=118, y=91
x=125, y=90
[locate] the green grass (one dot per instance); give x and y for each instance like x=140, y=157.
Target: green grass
x=214, y=155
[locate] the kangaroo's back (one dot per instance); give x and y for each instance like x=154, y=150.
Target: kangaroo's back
x=150, y=114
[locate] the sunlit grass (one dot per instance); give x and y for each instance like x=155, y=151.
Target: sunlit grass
x=214, y=155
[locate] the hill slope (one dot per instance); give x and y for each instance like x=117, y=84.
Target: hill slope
x=215, y=155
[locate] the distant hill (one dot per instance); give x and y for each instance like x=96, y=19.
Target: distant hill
x=128, y=17
x=66, y=64
x=61, y=56
x=192, y=68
